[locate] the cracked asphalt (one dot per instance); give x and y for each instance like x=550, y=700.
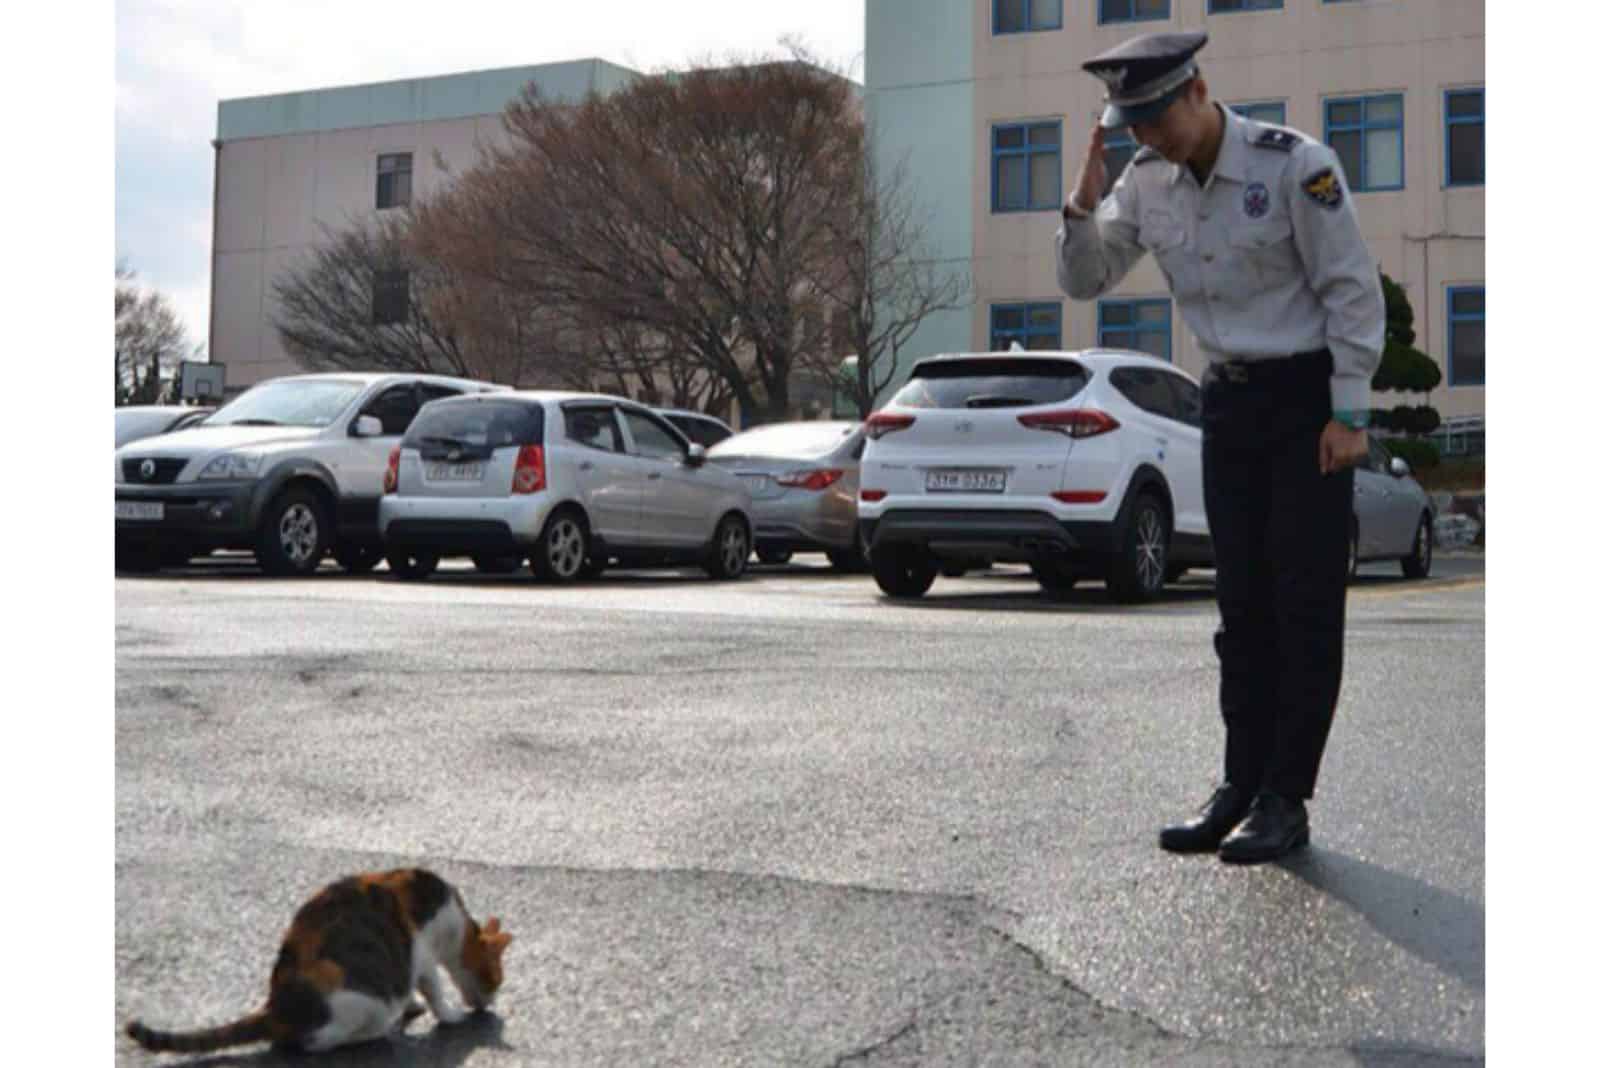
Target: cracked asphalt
x=787, y=822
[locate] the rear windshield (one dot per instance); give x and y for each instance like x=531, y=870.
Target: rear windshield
x=991, y=382
x=476, y=424
x=786, y=439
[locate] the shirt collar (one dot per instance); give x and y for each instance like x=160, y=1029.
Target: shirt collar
x=1230, y=157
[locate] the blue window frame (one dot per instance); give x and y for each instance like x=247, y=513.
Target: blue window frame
x=1463, y=137
x=1134, y=10
x=1464, y=305
x=1025, y=171
x=1223, y=7
x=1369, y=135
x=1143, y=325
x=1120, y=147
x=1273, y=111
x=1026, y=16
x=1036, y=326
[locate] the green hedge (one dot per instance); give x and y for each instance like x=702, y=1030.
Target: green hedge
x=1420, y=454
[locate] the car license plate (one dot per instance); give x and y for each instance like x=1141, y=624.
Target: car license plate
x=966, y=482
x=754, y=483
x=146, y=510
x=455, y=472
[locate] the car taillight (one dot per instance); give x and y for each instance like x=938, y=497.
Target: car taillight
x=529, y=475
x=874, y=495
x=882, y=423
x=819, y=479
x=1079, y=496
x=391, y=476
x=1076, y=423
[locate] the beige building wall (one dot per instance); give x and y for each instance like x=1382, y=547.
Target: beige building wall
x=1425, y=236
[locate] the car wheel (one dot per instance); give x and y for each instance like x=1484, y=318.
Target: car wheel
x=730, y=549
x=1420, y=562
x=563, y=547
x=497, y=565
x=293, y=535
x=1139, y=567
x=412, y=566
x=903, y=570
x=357, y=558
x=1053, y=579
x=774, y=556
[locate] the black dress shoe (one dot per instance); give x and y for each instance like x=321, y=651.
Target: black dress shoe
x=1274, y=826
x=1206, y=831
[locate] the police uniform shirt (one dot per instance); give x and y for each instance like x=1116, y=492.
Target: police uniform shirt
x=1265, y=260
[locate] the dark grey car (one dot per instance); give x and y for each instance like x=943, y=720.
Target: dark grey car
x=803, y=479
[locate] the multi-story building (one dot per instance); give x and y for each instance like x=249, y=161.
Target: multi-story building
x=987, y=104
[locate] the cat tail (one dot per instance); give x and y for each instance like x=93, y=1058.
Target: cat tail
x=255, y=1027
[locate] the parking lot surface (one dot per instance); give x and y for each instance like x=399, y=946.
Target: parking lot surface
x=787, y=821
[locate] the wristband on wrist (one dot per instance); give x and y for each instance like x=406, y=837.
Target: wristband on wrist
x=1352, y=419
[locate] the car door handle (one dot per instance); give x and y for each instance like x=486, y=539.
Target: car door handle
x=586, y=466
x=655, y=475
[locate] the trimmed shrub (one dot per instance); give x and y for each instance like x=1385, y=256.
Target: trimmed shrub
x=1417, y=452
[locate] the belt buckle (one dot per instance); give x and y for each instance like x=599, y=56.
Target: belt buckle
x=1235, y=372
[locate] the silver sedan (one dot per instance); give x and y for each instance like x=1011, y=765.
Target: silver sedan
x=803, y=478
x=1393, y=517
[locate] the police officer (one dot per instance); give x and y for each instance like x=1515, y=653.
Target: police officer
x=1253, y=227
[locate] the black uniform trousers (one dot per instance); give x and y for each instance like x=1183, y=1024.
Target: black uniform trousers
x=1279, y=528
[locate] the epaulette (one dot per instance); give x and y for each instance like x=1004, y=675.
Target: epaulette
x=1145, y=155
x=1272, y=137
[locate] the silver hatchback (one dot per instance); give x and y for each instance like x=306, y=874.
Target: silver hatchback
x=803, y=479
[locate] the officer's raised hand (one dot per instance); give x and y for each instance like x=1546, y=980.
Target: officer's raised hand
x=1092, y=175
x=1341, y=447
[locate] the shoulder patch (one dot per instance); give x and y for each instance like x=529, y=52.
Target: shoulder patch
x=1272, y=137
x=1145, y=155
x=1324, y=188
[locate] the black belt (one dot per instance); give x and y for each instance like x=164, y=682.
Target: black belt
x=1275, y=368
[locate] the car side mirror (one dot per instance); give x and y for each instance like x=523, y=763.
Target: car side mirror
x=367, y=426
x=697, y=455
x=1398, y=467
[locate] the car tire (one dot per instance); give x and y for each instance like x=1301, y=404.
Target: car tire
x=497, y=565
x=1420, y=562
x=357, y=558
x=774, y=556
x=730, y=549
x=412, y=566
x=294, y=534
x=903, y=570
x=1139, y=566
x=562, y=549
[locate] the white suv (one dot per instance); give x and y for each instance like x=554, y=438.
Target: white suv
x=572, y=481
x=1077, y=463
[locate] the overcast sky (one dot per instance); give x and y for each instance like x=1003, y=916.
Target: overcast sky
x=175, y=59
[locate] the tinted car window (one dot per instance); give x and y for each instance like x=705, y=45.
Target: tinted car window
x=395, y=407
x=701, y=431
x=1147, y=389
x=991, y=382
x=1377, y=456
x=1186, y=398
x=480, y=426
x=594, y=427
x=652, y=439
x=431, y=392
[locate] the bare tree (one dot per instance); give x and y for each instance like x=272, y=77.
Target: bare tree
x=149, y=337
x=363, y=301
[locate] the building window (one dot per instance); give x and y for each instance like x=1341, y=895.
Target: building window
x=1026, y=170
x=1368, y=133
x=1034, y=326
x=1463, y=137
x=1120, y=147
x=1134, y=10
x=1140, y=325
x=394, y=180
x=1223, y=7
x=1026, y=16
x=391, y=297
x=1272, y=111
x=1465, y=304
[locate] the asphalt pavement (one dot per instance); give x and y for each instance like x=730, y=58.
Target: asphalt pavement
x=785, y=821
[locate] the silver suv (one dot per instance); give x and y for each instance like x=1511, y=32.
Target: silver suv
x=291, y=469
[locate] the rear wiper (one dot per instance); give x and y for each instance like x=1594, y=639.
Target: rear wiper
x=255, y=422
x=997, y=400
x=442, y=439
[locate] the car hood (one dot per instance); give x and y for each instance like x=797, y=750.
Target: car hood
x=205, y=440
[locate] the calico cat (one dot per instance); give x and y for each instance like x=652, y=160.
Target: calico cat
x=350, y=961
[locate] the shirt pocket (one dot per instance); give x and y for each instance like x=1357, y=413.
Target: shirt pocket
x=1264, y=252
x=1169, y=243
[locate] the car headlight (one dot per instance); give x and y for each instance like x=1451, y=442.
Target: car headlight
x=232, y=465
